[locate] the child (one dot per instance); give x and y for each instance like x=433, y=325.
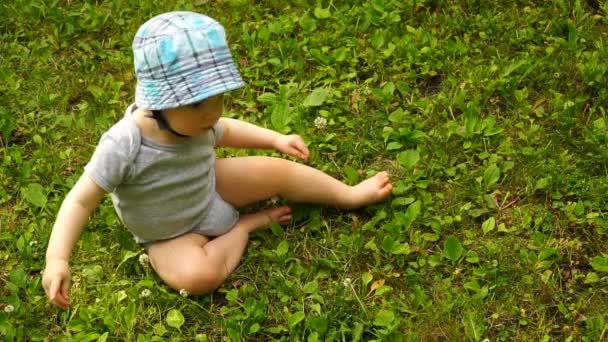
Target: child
x=159, y=165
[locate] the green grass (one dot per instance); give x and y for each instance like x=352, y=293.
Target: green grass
x=490, y=116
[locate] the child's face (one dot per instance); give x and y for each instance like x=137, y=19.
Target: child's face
x=197, y=119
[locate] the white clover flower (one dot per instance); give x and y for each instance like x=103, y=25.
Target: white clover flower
x=9, y=308
x=144, y=260
x=183, y=293
x=320, y=122
x=347, y=282
x=145, y=293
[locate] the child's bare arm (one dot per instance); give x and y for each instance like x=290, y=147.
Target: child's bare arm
x=74, y=214
x=241, y=134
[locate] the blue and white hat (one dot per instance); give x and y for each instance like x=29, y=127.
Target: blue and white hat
x=182, y=58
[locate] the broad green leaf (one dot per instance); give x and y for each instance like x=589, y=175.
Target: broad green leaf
x=19, y=277
x=319, y=324
x=542, y=183
x=401, y=248
x=282, y=248
x=547, y=253
x=488, y=225
x=34, y=193
x=579, y=209
x=366, y=278
x=599, y=124
x=96, y=91
x=320, y=56
x=308, y=23
x=233, y=334
x=92, y=272
x=316, y=98
x=384, y=318
x=491, y=175
x=377, y=40
x=126, y=255
x=412, y=213
x=276, y=229
x=341, y=54
x=280, y=116
x=267, y=98
x=382, y=289
x=104, y=337
x=159, y=329
x=87, y=337
x=402, y=201
x=351, y=174
x=472, y=285
x=389, y=50
x=175, y=319
x=311, y=287
x=371, y=245
x=128, y=315
x=472, y=257
x=314, y=337
x=120, y=295
x=295, y=319
x=432, y=237
x=472, y=327
x=254, y=328
x=378, y=5
x=322, y=13
x=600, y=264
x=408, y=158
x=393, y=145
x=387, y=243
x=232, y=295
x=395, y=247
x=453, y=248
x=357, y=332
x=591, y=278
x=389, y=88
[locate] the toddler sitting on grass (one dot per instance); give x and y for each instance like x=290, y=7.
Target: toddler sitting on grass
x=158, y=163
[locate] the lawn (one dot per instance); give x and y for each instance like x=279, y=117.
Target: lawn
x=489, y=115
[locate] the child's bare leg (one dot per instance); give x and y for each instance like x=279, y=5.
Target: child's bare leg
x=199, y=265
x=245, y=180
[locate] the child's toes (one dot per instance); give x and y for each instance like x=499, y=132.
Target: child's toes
x=284, y=220
x=279, y=214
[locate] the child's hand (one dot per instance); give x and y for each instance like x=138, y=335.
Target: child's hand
x=56, y=282
x=292, y=145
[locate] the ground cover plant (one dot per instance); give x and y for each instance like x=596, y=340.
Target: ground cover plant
x=490, y=115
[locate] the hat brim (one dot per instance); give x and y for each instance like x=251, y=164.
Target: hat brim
x=182, y=90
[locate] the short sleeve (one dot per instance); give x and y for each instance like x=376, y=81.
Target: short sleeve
x=218, y=131
x=109, y=164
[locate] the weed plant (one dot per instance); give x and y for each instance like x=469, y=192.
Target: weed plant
x=490, y=115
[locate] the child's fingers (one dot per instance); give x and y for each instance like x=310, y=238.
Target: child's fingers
x=301, y=149
x=56, y=296
x=65, y=288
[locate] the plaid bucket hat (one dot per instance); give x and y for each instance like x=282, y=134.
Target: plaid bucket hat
x=182, y=58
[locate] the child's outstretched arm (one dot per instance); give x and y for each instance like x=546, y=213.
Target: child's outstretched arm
x=74, y=214
x=241, y=134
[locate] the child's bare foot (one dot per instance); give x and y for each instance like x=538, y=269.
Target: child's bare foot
x=371, y=190
x=263, y=218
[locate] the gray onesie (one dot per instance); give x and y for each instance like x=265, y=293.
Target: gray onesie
x=161, y=191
